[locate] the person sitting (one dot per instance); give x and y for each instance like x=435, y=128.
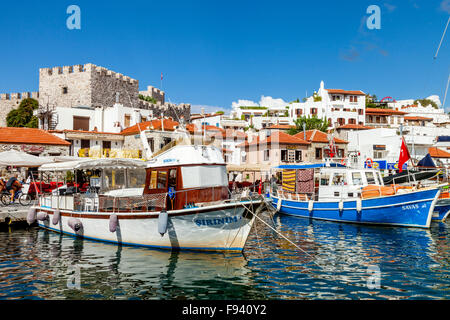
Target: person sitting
x=13, y=185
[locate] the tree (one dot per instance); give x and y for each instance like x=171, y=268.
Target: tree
x=311, y=123
x=370, y=99
x=23, y=115
x=426, y=102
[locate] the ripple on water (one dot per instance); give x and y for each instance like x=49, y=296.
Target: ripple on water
x=328, y=261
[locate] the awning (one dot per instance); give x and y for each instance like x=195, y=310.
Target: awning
x=112, y=163
x=61, y=166
x=86, y=163
x=310, y=166
x=22, y=159
x=248, y=168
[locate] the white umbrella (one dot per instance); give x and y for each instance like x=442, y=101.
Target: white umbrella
x=21, y=159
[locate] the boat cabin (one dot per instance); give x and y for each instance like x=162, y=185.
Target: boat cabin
x=326, y=182
x=187, y=175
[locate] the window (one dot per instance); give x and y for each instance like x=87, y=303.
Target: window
x=324, y=179
x=284, y=155
x=356, y=178
x=370, y=178
x=85, y=144
x=161, y=180
x=266, y=155
x=65, y=90
x=127, y=121
x=204, y=176
x=339, y=179
x=360, y=112
x=313, y=110
x=319, y=153
x=80, y=123
x=298, y=155
x=151, y=143
x=299, y=112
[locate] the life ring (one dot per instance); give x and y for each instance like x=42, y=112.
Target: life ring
x=369, y=160
x=343, y=162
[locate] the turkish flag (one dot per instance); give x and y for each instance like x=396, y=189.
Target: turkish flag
x=404, y=155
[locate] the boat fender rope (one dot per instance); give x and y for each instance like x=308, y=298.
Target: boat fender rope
x=56, y=217
x=31, y=216
x=113, y=222
x=162, y=222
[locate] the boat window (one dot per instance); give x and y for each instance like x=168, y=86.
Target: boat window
x=339, y=179
x=356, y=178
x=324, y=178
x=136, y=178
x=162, y=179
x=113, y=179
x=153, y=179
x=173, y=178
x=370, y=177
x=204, y=176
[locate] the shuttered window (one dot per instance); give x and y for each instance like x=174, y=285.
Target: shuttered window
x=80, y=123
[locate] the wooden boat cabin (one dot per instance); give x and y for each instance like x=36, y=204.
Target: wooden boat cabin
x=186, y=176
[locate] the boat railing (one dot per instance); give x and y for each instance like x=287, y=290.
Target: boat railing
x=93, y=202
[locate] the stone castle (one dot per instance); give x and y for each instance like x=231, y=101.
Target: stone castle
x=91, y=86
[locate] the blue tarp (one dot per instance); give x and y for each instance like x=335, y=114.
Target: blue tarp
x=426, y=162
x=309, y=166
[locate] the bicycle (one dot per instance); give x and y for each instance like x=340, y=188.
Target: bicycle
x=24, y=199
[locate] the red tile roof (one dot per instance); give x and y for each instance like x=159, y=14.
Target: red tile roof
x=29, y=136
x=438, y=153
x=354, y=127
x=279, y=137
x=169, y=125
x=317, y=136
x=281, y=126
x=385, y=112
x=352, y=92
x=418, y=118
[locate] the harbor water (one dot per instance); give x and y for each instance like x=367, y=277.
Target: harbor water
x=327, y=261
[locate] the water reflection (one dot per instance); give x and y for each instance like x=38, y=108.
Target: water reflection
x=44, y=263
x=327, y=261
x=333, y=260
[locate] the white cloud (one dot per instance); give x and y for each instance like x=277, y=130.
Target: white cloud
x=265, y=101
x=445, y=6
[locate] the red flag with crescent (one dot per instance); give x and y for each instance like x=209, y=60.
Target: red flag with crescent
x=404, y=156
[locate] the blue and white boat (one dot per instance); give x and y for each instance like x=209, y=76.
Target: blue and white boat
x=333, y=192
x=442, y=207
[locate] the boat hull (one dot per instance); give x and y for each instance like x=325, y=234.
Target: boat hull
x=441, y=210
x=410, y=210
x=213, y=228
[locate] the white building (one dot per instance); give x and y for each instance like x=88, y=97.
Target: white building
x=340, y=107
x=437, y=114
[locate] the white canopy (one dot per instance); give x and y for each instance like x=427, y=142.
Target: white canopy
x=103, y=163
x=61, y=166
x=21, y=159
x=112, y=163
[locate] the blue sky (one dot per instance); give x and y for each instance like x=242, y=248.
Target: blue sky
x=215, y=52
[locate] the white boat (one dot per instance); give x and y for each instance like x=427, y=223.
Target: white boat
x=178, y=200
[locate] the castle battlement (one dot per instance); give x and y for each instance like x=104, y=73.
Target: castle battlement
x=88, y=68
x=19, y=96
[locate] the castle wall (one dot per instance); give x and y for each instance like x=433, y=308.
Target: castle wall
x=10, y=101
